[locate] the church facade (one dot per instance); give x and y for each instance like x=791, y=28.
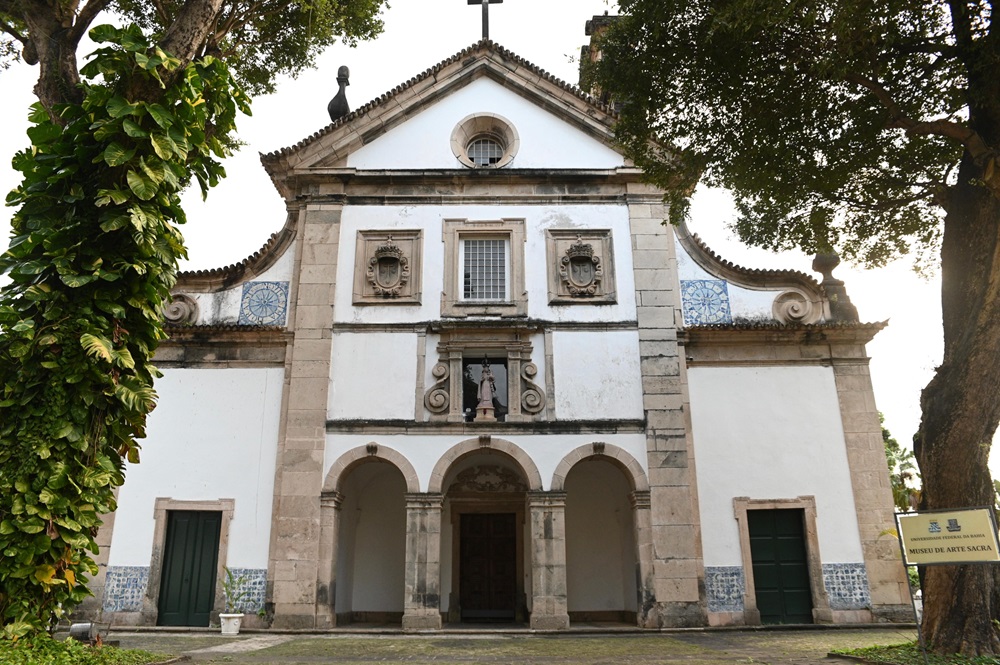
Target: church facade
x=475, y=377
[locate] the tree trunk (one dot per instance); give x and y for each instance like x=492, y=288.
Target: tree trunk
x=961, y=409
x=50, y=29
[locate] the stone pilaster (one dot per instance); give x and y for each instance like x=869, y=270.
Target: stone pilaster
x=293, y=571
x=326, y=584
x=642, y=518
x=673, y=596
x=549, y=609
x=870, y=481
x=422, y=604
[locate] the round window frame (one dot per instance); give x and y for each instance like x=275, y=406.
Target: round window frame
x=484, y=125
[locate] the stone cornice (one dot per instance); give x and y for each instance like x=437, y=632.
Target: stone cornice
x=770, y=333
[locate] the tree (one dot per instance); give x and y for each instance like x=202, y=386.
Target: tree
x=869, y=127
x=902, y=471
x=95, y=247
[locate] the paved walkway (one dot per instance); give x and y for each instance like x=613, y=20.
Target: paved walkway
x=465, y=645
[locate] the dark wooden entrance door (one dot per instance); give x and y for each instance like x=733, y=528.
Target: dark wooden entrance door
x=780, y=568
x=487, y=566
x=190, y=557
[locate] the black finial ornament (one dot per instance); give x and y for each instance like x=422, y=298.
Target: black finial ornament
x=338, y=108
x=486, y=13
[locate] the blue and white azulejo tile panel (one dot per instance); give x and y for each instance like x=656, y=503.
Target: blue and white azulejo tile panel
x=264, y=304
x=847, y=586
x=705, y=301
x=724, y=587
x=251, y=590
x=124, y=587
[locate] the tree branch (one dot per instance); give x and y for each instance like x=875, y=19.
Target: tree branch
x=191, y=27
x=13, y=32
x=84, y=18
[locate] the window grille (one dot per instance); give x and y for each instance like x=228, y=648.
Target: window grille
x=485, y=270
x=485, y=152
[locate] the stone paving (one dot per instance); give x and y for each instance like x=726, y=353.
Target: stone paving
x=690, y=647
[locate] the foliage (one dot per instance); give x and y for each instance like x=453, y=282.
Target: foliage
x=869, y=128
x=235, y=591
x=911, y=654
x=260, y=40
x=94, y=254
x=43, y=650
x=902, y=471
x=772, y=100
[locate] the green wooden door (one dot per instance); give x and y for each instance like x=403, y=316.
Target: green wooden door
x=190, y=557
x=780, y=569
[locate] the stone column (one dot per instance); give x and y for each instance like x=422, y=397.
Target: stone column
x=890, y=592
x=549, y=610
x=422, y=604
x=326, y=583
x=643, y=523
x=293, y=571
x=678, y=570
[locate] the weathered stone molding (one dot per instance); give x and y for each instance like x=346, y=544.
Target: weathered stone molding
x=621, y=458
x=363, y=454
x=470, y=446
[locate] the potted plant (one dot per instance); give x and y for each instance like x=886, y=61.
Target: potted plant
x=234, y=589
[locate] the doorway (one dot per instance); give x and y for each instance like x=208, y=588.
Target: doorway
x=780, y=566
x=488, y=566
x=190, y=560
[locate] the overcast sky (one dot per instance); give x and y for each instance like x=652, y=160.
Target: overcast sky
x=245, y=209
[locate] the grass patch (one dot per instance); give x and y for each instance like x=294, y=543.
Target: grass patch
x=43, y=650
x=910, y=654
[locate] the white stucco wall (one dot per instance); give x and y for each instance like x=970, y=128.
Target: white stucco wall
x=770, y=433
x=536, y=219
x=373, y=375
x=597, y=374
x=212, y=436
x=600, y=539
x=424, y=141
x=372, y=541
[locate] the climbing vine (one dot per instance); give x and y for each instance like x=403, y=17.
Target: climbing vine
x=94, y=251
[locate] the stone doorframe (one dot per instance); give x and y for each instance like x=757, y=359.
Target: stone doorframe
x=329, y=536
x=821, y=601
x=499, y=502
x=151, y=601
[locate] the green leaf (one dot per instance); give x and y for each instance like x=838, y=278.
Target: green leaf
x=160, y=115
x=133, y=129
x=141, y=185
x=119, y=106
x=162, y=145
x=75, y=281
x=116, y=155
x=98, y=347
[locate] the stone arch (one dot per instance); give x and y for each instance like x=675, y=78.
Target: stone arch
x=617, y=456
x=368, y=453
x=484, y=444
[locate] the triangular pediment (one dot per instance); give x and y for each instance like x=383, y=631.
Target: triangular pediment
x=485, y=70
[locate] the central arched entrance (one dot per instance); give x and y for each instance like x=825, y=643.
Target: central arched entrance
x=483, y=537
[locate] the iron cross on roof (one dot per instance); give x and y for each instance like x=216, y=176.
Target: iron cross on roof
x=486, y=14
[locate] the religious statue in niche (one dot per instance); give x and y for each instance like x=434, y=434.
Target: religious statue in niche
x=487, y=391
x=388, y=270
x=580, y=270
